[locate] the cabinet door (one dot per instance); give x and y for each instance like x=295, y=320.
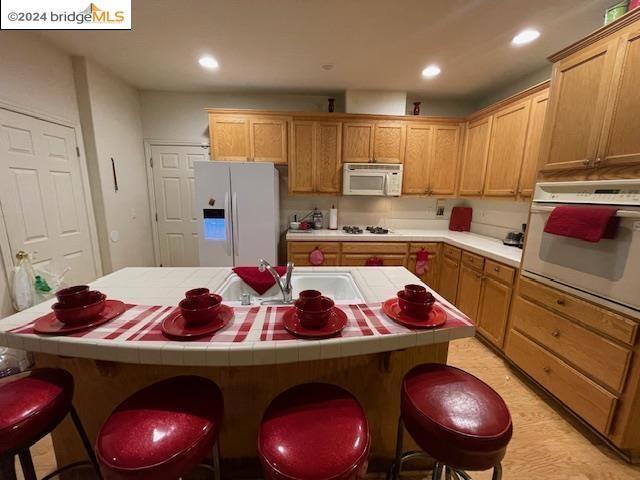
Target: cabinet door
x=532, y=148
x=448, y=284
x=506, y=149
x=269, y=140
x=579, y=94
x=474, y=160
x=432, y=276
x=620, y=144
x=360, y=259
x=494, y=310
x=389, y=141
x=328, y=160
x=415, y=177
x=230, y=137
x=443, y=167
x=302, y=165
x=469, y=289
x=357, y=142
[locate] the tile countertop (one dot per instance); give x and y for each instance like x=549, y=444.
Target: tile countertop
x=166, y=286
x=486, y=246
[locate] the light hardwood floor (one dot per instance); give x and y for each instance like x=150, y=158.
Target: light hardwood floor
x=545, y=445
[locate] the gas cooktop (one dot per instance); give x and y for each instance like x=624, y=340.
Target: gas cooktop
x=355, y=230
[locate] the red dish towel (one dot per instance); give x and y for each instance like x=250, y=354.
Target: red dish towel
x=586, y=223
x=259, y=281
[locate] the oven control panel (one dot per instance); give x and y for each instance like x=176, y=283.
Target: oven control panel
x=611, y=192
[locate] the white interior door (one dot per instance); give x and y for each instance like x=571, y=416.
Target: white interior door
x=42, y=195
x=174, y=188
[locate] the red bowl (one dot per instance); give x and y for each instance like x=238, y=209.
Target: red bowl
x=195, y=315
x=82, y=314
x=75, y=296
x=313, y=319
x=419, y=310
x=416, y=293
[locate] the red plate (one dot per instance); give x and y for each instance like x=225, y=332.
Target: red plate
x=436, y=318
x=50, y=325
x=175, y=327
x=337, y=321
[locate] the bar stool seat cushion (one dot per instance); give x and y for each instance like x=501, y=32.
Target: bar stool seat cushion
x=455, y=417
x=162, y=431
x=314, y=431
x=32, y=403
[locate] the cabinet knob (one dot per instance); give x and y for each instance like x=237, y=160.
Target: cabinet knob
x=547, y=369
x=560, y=301
x=496, y=269
x=586, y=162
x=597, y=161
x=555, y=333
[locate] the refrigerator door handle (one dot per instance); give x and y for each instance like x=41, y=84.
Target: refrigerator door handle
x=236, y=224
x=227, y=216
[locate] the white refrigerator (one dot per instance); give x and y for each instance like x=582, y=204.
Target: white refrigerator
x=237, y=205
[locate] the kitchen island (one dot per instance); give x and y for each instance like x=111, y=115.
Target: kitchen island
x=251, y=359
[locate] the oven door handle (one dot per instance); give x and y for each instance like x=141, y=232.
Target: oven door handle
x=619, y=213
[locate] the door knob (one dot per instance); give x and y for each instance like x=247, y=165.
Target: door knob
x=555, y=333
x=560, y=301
x=20, y=254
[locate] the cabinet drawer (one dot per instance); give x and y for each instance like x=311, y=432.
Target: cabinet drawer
x=360, y=259
x=472, y=260
x=607, y=322
x=586, y=398
x=499, y=272
x=432, y=248
x=452, y=252
x=596, y=356
x=306, y=247
x=302, y=260
x=374, y=247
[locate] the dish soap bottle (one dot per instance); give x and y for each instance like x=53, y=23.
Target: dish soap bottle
x=317, y=219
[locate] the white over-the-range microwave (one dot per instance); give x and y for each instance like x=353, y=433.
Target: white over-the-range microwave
x=383, y=179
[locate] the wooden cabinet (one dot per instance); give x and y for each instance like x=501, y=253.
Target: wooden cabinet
x=298, y=253
x=506, y=149
x=531, y=157
x=431, y=159
x=248, y=138
x=432, y=276
x=358, y=253
x=389, y=142
x=469, y=289
x=361, y=259
x=357, y=142
x=493, y=312
x=474, y=159
x=448, y=284
x=315, y=165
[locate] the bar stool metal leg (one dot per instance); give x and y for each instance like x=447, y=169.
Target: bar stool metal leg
x=8, y=468
x=437, y=471
x=216, y=461
x=26, y=462
x=85, y=440
x=497, y=472
x=397, y=464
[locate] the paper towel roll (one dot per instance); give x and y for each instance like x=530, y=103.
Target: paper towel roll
x=333, y=218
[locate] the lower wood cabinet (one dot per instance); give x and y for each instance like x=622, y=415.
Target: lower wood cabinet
x=469, y=289
x=448, y=284
x=493, y=311
x=361, y=259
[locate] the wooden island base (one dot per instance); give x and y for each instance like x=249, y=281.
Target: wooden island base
x=375, y=379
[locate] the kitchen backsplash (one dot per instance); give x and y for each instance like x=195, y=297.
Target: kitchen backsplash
x=493, y=218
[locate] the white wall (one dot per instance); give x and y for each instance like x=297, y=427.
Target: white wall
x=538, y=76
x=433, y=107
x=375, y=103
x=182, y=117
x=112, y=124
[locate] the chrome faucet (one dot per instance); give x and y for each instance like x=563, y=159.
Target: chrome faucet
x=285, y=286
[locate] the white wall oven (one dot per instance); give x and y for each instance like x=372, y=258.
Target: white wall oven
x=606, y=272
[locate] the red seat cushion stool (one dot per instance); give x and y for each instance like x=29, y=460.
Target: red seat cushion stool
x=456, y=418
x=314, y=431
x=162, y=431
x=31, y=405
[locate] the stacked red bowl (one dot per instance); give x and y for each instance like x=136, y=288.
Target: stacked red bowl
x=415, y=301
x=200, y=307
x=313, y=309
x=78, y=305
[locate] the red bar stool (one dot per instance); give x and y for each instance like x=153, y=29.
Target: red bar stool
x=32, y=404
x=163, y=431
x=314, y=431
x=455, y=418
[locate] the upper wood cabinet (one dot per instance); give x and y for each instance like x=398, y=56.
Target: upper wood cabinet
x=248, y=138
x=375, y=141
x=431, y=159
x=532, y=148
x=315, y=164
x=474, y=159
x=506, y=149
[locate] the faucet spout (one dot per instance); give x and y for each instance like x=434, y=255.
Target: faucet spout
x=283, y=284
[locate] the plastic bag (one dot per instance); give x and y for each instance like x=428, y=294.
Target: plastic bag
x=23, y=291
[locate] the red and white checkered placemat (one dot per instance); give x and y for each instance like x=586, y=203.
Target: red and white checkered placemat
x=273, y=327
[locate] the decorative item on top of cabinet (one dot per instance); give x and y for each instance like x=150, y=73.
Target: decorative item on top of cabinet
x=474, y=159
x=506, y=149
x=416, y=108
x=315, y=163
x=529, y=169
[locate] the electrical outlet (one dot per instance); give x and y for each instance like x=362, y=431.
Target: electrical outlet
x=439, y=208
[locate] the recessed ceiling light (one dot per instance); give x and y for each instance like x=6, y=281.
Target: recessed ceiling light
x=208, y=62
x=431, y=71
x=525, y=36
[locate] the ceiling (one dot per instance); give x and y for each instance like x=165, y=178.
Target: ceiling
x=280, y=45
